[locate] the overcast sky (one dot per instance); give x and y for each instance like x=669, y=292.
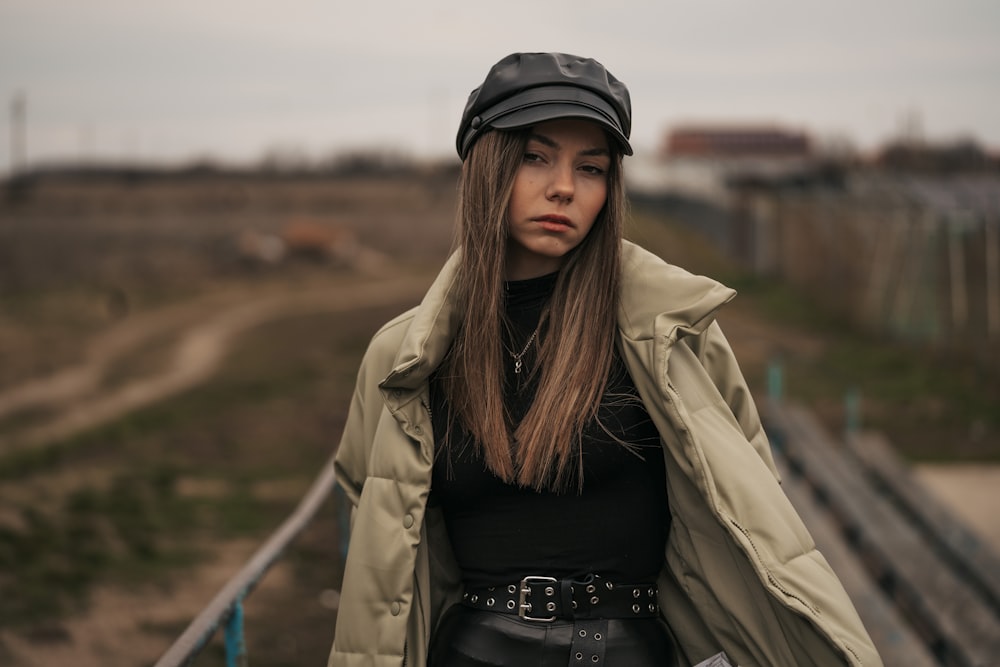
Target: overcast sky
x=228, y=80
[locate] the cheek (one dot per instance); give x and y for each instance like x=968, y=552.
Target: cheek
x=595, y=204
x=597, y=200
x=518, y=196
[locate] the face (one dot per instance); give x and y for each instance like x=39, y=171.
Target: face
x=559, y=190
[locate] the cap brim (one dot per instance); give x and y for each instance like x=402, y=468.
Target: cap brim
x=528, y=116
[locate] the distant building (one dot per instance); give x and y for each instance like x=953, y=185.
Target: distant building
x=735, y=142
x=703, y=161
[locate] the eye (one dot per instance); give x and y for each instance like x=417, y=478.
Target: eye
x=593, y=169
x=530, y=156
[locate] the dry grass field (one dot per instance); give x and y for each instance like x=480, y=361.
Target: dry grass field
x=168, y=392
x=176, y=359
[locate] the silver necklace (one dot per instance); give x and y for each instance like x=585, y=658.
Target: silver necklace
x=517, y=356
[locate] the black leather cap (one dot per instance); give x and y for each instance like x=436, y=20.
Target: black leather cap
x=524, y=89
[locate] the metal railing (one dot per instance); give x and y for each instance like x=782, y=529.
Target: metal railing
x=226, y=608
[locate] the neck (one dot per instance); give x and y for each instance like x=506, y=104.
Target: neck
x=535, y=268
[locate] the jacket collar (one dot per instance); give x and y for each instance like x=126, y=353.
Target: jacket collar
x=657, y=300
x=662, y=300
x=432, y=328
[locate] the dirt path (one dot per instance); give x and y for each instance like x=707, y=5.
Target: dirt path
x=78, y=381
x=197, y=354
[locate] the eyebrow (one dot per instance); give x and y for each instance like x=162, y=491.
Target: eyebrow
x=551, y=143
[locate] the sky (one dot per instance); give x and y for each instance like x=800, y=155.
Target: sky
x=158, y=81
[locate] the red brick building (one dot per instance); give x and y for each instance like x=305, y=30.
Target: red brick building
x=735, y=142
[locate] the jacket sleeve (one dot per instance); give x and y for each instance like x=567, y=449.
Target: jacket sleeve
x=351, y=462
x=716, y=356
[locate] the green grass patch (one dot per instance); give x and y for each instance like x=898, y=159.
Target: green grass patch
x=784, y=305
x=51, y=558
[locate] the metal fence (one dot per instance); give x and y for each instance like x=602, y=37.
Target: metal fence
x=226, y=608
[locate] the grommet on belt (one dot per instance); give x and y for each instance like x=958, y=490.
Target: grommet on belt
x=588, y=646
x=546, y=599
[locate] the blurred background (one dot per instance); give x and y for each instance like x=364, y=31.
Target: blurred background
x=206, y=209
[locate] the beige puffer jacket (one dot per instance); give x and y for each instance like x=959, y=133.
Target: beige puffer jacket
x=741, y=573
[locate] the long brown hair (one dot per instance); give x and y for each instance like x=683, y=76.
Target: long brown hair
x=575, y=354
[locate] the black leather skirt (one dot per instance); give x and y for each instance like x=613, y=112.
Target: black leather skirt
x=472, y=638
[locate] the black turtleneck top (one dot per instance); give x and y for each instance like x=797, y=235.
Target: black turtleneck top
x=616, y=526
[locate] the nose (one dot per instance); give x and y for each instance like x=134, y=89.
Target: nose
x=561, y=186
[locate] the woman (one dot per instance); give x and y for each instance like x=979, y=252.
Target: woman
x=554, y=458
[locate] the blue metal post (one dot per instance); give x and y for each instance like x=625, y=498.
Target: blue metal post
x=775, y=381
x=236, y=650
x=852, y=411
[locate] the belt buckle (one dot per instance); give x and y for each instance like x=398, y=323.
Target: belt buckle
x=523, y=606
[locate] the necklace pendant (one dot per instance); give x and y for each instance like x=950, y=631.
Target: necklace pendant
x=516, y=356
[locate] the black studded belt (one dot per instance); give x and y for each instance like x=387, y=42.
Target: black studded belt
x=547, y=599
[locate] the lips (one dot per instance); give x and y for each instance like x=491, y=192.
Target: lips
x=554, y=223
